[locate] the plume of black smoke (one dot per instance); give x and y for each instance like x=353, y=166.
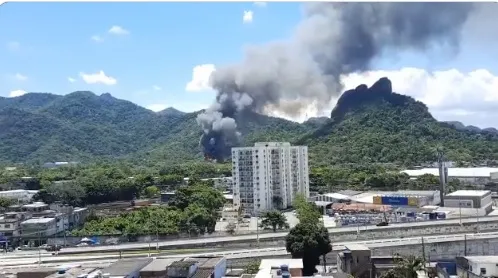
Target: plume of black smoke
x=332, y=40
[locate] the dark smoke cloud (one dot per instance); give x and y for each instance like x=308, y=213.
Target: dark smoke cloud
x=333, y=39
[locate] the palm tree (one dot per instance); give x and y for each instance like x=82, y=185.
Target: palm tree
x=406, y=267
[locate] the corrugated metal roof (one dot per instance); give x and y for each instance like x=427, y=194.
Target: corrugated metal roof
x=337, y=196
x=38, y=220
x=158, y=264
x=348, y=192
x=427, y=193
x=72, y=273
x=482, y=172
x=211, y=262
x=322, y=203
x=469, y=193
x=203, y=273
x=125, y=267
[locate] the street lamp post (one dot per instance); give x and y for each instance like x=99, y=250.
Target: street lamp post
x=39, y=250
x=257, y=230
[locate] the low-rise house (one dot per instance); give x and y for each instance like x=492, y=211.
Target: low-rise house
x=19, y=195
x=273, y=268
x=157, y=268
x=477, y=266
x=10, y=223
x=35, y=208
x=36, y=230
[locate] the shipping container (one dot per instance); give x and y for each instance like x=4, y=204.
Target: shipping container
x=395, y=200
x=377, y=200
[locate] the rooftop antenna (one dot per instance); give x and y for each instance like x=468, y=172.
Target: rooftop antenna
x=443, y=174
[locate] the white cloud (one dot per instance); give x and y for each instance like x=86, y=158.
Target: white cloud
x=247, y=17
x=97, y=38
x=13, y=46
x=200, y=78
x=71, y=80
x=451, y=95
x=260, y=4
x=99, y=77
x=20, y=77
x=17, y=93
x=157, y=107
x=118, y=30
x=156, y=88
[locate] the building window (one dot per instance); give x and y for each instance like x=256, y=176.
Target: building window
x=483, y=270
x=7, y=226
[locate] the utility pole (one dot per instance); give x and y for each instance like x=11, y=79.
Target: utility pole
x=477, y=226
x=423, y=251
x=257, y=230
x=465, y=245
x=39, y=250
x=442, y=175
x=64, y=227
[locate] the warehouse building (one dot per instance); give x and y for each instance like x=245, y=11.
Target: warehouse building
x=330, y=197
x=408, y=198
x=469, y=202
x=413, y=198
x=476, y=176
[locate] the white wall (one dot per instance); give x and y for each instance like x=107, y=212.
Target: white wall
x=457, y=203
x=491, y=268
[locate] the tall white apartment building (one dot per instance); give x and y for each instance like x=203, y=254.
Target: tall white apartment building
x=269, y=176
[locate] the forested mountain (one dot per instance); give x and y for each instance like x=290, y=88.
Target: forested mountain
x=367, y=125
x=376, y=125
x=81, y=126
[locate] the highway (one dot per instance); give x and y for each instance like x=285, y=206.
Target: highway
x=14, y=260
x=262, y=237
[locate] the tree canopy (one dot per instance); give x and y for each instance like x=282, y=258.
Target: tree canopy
x=274, y=219
x=194, y=210
x=309, y=239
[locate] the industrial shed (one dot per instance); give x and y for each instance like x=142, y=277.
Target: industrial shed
x=469, y=202
x=475, y=175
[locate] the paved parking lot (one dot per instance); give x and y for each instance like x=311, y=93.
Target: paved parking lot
x=250, y=225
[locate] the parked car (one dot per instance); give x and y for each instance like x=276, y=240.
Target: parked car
x=53, y=248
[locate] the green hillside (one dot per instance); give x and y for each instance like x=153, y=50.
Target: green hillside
x=82, y=126
x=376, y=125
x=367, y=125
